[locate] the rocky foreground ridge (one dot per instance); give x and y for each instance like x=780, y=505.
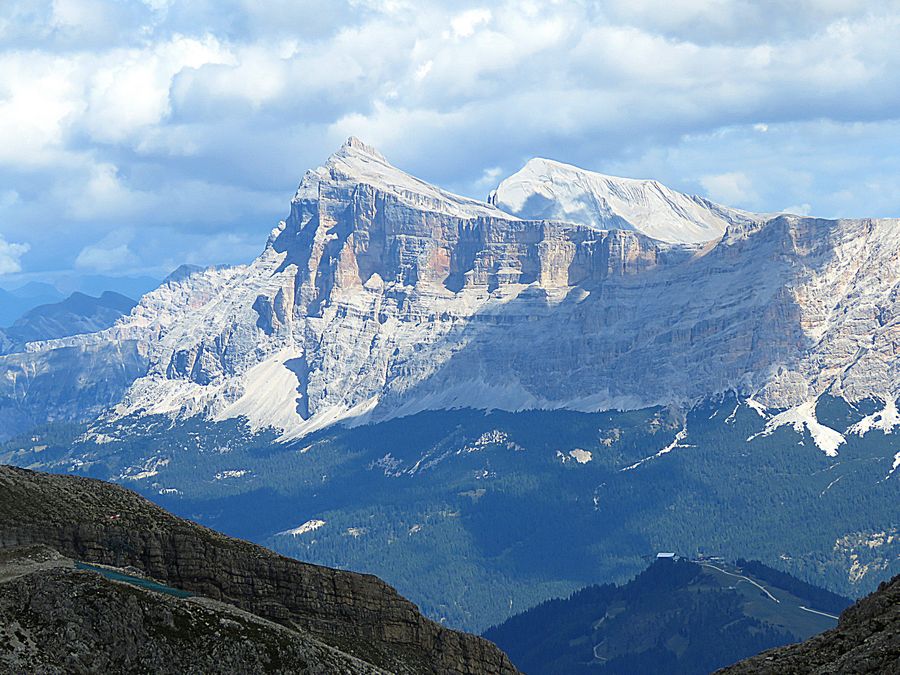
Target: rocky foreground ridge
x=279, y=614
x=381, y=295
x=866, y=640
x=55, y=618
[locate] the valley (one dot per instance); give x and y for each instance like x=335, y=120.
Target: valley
x=440, y=338
x=477, y=516
x=489, y=409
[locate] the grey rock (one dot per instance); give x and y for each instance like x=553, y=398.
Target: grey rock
x=381, y=295
x=357, y=614
x=56, y=619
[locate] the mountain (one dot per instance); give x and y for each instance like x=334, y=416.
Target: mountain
x=15, y=302
x=77, y=314
x=547, y=190
x=866, y=640
x=381, y=296
x=132, y=286
x=61, y=536
x=677, y=616
x=461, y=394
x=118, y=622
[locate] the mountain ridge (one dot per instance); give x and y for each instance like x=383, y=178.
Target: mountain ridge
x=549, y=189
x=118, y=622
x=104, y=524
x=381, y=295
x=79, y=313
x=676, y=616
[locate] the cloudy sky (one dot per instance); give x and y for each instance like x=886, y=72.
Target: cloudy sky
x=139, y=134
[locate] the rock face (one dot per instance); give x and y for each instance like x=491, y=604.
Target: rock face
x=356, y=614
x=57, y=619
x=74, y=382
x=381, y=295
x=866, y=640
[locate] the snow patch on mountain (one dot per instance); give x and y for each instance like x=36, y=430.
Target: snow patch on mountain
x=894, y=466
x=546, y=189
x=886, y=420
x=308, y=526
x=581, y=456
x=677, y=442
x=803, y=417
x=231, y=473
x=758, y=407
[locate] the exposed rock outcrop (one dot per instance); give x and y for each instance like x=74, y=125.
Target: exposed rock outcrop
x=358, y=614
x=381, y=295
x=55, y=618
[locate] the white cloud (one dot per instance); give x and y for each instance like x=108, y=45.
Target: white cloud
x=490, y=178
x=222, y=246
x=38, y=94
x=159, y=5
x=101, y=258
x=10, y=256
x=798, y=209
x=46, y=99
x=732, y=189
x=96, y=191
x=423, y=70
x=76, y=13
x=465, y=24
x=130, y=90
x=8, y=198
x=194, y=120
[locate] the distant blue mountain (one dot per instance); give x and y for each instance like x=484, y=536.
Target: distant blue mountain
x=95, y=284
x=78, y=313
x=17, y=301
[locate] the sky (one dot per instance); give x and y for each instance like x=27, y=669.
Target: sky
x=137, y=135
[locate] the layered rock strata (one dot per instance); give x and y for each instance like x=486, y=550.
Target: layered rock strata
x=357, y=614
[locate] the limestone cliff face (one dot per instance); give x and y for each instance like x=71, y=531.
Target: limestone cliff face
x=382, y=295
x=357, y=614
x=70, y=382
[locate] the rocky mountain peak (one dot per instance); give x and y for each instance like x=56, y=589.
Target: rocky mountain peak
x=383, y=295
x=547, y=189
x=355, y=146
x=356, y=163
